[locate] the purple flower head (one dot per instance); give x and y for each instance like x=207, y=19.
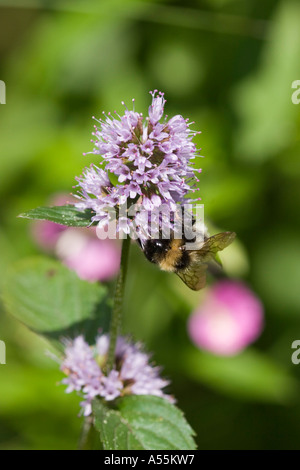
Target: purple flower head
x=133, y=374
x=229, y=319
x=151, y=162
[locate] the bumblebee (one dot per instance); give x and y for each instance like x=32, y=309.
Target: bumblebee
x=190, y=265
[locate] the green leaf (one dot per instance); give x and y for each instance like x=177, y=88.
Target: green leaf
x=64, y=215
x=142, y=422
x=50, y=299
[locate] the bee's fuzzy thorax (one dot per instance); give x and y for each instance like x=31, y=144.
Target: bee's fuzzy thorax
x=175, y=258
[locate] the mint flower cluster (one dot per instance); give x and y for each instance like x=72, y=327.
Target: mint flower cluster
x=152, y=161
x=84, y=366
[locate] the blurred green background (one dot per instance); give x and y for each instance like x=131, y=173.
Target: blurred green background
x=228, y=65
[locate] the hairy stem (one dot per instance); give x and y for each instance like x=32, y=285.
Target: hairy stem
x=88, y=439
x=118, y=305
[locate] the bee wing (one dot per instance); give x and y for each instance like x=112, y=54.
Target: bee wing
x=194, y=276
x=212, y=245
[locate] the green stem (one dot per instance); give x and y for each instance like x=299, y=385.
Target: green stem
x=118, y=305
x=87, y=437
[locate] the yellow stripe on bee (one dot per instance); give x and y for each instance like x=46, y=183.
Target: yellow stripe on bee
x=172, y=256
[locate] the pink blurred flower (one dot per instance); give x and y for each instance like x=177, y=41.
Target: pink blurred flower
x=46, y=233
x=229, y=319
x=78, y=248
x=92, y=259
